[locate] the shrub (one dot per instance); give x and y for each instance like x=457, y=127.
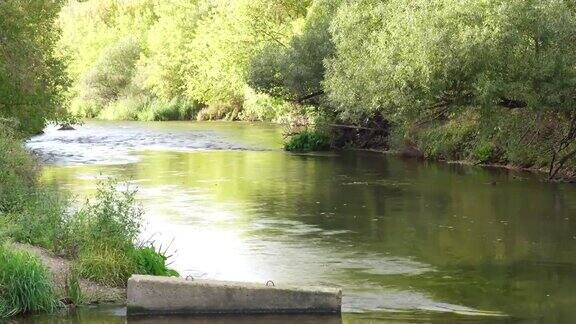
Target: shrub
x=122, y=109
x=453, y=138
x=263, y=107
x=112, y=219
x=219, y=111
x=103, y=237
x=25, y=284
x=164, y=110
x=17, y=170
x=307, y=141
x=483, y=152
x=39, y=218
x=85, y=109
x=112, y=74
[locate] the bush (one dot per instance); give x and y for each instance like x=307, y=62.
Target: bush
x=17, y=170
x=85, y=109
x=122, y=109
x=263, y=107
x=220, y=111
x=25, y=284
x=112, y=219
x=448, y=140
x=112, y=74
x=103, y=239
x=307, y=141
x=165, y=110
x=38, y=219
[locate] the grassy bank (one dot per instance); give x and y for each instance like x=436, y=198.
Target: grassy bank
x=100, y=236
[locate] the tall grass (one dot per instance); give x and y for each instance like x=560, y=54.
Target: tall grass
x=25, y=284
x=101, y=236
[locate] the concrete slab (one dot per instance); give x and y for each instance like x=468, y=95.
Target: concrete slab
x=164, y=295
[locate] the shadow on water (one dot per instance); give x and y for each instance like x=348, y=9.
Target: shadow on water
x=111, y=314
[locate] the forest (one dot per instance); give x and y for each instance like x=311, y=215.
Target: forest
x=483, y=81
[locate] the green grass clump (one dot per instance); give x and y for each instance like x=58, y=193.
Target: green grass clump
x=113, y=267
x=105, y=265
x=152, y=262
x=73, y=289
x=307, y=141
x=25, y=284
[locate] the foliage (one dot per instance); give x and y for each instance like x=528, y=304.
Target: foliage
x=307, y=141
x=101, y=235
x=37, y=218
x=32, y=77
x=73, y=289
x=175, y=109
x=150, y=261
x=189, y=52
x=103, y=238
x=17, y=170
x=296, y=71
x=105, y=265
x=25, y=284
x=112, y=74
x=263, y=107
x=418, y=62
x=31, y=213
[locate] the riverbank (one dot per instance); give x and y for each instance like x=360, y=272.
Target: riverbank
x=567, y=176
x=399, y=235
x=67, y=250
x=62, y=269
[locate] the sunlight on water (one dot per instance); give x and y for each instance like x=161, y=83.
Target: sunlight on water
x=405, y=240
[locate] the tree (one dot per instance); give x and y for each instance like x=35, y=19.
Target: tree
x=296, y=71
x=424, y=62
x=32, y=77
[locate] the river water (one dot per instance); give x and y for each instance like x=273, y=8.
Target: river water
x=407, y=241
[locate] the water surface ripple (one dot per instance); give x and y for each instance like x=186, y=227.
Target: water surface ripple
x=407, y=241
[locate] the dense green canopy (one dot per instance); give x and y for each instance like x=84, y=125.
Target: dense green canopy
x=484, y=80
x=32, y=78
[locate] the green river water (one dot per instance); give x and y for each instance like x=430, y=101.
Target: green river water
x=407, y=241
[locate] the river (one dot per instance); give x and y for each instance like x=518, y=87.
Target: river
x=407, y=241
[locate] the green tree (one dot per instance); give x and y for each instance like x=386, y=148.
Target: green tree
x=32, y=77
x=296, y=71
x=425, y=62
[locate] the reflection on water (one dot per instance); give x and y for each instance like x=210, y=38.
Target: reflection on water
x=407, y=241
